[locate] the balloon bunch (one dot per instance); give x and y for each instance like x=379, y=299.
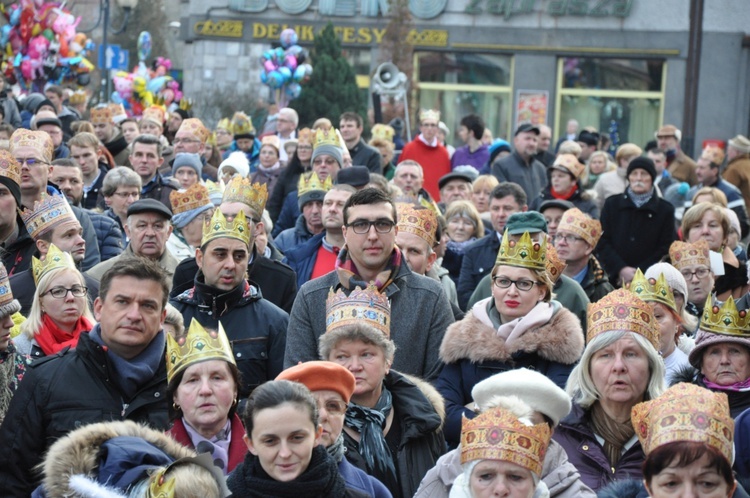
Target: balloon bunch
x=40, y=45
x=284, y=68
x=144, y=87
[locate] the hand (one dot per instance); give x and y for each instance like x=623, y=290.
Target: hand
x=626, y=275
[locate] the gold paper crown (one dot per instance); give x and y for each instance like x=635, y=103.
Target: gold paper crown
x=36, y=139
x=383, y=132
x=101, y=114
x=211, y=140
x=713, y=154
x=308, y=183
x=49, y=212
x=569, y=163
x=194, y=197
x=725, y=320
x=196, y=346
x=684, y=254
x=9, y=167
x=196, y=128
x=497, y=434
x=622, y=310
x=78, y=97
x=6, y=293
x=118, y=110
x=523, y=253
x=653, y=291
x=304, y=135
x=224, y=124
x=429, y=114
x=326, y=137
x=219, y=228
x=242, y=190
x=215, y=188
x=54, y=259
x=367, y=305
x=555, y=265
x=685, y=412
x=159, y=486
x=420, y=222
x=186, y=104
x=155, y=114
x=271, y=140
x=582, y=225
x=242, y=124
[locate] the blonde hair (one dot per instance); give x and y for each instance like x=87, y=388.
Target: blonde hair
x=570, y=147
x=484, y=182
x=627, y=151
x=696, y=213
x=322, y=124
x=609, y=166
x=717, y=195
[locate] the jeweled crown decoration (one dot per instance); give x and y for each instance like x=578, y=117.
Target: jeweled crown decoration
x=421, y=222
x=523, y=253
x=622, y=310
x=310, y=182
x=49, y=212
x=430, y=114
x=196, y=128
x=243, y=190
x=101, y=115
x=569, y=163
x=36, y=139
x=653, y=290
x=685, y=412
x=725, y=320
x=684, y=254
x=497, y=434
x=555, y=265
x=194, y=197
x=219, y=228
x=382, y=132
x=271, y=140
x=224, y=124
x=196, y=346
x=159, y=486
x=6, y=294
x=368, y=306
x=582, y=225
x=242, y=124
x=54, y=259
x=156, y=114
x=326, y=137
x=9, y=167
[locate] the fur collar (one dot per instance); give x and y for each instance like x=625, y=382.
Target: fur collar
x=432, y=395
x=560, y=340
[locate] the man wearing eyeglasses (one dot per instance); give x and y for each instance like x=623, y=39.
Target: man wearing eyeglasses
x=146, y=158
x=420, y=310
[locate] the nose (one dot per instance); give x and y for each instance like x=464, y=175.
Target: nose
x=500, y=488
x=133, y=312
x=354, y=364
x=284, y=451
x=205, y=387
x=619, y=364
x=725, y=358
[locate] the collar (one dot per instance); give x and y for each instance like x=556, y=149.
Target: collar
x=329, y=247
x=215, y=301
x=87, y=188
x=422, y=139
x=578, y=277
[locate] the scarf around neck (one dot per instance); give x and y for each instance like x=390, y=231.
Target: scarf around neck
x=614, y=433
x=513, y=330
x=564, y=195
x=743, y=386
x=349, y=275
x=640, y=199
x=459, y=247
x=217, y=446
x=52, y=339
x=337, y=449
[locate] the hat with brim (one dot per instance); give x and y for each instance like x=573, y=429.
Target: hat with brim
x=741, y=143
x=527, y=221
x=322, y=376
x=149, y=206
x=703, y=340
x=356, y=176
x=523, y=128
x=455, y=175
x=48, y=121
x=310, y=196
x=556, y=203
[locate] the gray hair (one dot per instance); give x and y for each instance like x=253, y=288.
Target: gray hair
x=358, y=332
x=121, y=176
x=581, y=387
x=409, y=162
x=291, y=114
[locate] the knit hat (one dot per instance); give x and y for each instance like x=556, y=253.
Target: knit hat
x=527, y=221
x=46, y=117
x=589, y=138
x=45, y=102
x=327, y=142
x=182, y=113
x=741, y=143
x=31, y=102
x=675, y=280
x=187, y=159
x=322, y=376
x=238, y=161
x=643, y=163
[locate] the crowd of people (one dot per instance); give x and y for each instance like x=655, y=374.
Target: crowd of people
x=209, y=311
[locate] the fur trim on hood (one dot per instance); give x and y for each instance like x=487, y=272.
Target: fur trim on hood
x=559, y=340
x=432, y=395
x=686, y=374
x=628, y=488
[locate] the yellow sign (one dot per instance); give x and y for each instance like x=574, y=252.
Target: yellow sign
x=224, y=29
x=350, y=35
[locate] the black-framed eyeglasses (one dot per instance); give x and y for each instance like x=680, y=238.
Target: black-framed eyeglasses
x=569, y=239
x=61, y=292
x=363, y=226
x=700, y=273
x=522, y=285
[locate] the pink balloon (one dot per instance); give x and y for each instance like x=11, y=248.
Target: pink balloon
x=290, y=61
x=269, y=66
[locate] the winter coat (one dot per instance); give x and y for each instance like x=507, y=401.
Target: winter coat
x=610, y=183
x=287, y=183
x=92, y=257
x=62, y=392
x=118, y=147
x=276, y=281
x=634, y=236
x=10, y=110
x=166, y=262
x=256, y=329
x=303, y=257
x=479, y=259
x=112, y=216
x=237, y=448
x=634, y=488
x=289, y=214
x=442, y=275
x=16, y=256
x=682, y=168
x=419, y=410
x=737, y=173
x=417, y=335
x=561, y=478
x=531, y=176
x=472, y=352
x=365, y=155
x=159, y=189
x=358, y=479
x=24, y=288
x=738, y=401
x=292, y=238
x=576, y=436
x=582, y=199
x=267, y=178
x=109, y=236
x=596, y=283
x=93, y=197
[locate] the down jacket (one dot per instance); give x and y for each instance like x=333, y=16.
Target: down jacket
x=108, y=234
x=472, y=352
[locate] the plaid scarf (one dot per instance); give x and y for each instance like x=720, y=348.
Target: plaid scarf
x=349, y=275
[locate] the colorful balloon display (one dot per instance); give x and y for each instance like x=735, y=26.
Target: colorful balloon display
x=144, y=87
x=284, y=68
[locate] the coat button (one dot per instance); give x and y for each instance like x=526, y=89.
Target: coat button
x=239, y=355
x=585, y=447
x=157, y=394
x=650, y=215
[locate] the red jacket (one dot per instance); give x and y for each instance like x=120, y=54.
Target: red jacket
x=435, y=162
x=237, y=447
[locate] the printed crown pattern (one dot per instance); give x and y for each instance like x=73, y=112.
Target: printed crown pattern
x=101, y=115
x=713, y=154
x=194, y=197
x=195, y=346
x=360, y=305
x=155, y=114
x=684, y=254
x=54, y=259
x=6, y=293
x=524, y=253
x=622, y=310
x=653, y=290
x=196, y=128
x=725, y=320
x=271, y=140
x=421, y=222
x=555, y=265
x=219, y=228
x=430, y=114
x=36, y=139
x=242, y=190
x=49, y=212
x=582, y=225
x=9, y=167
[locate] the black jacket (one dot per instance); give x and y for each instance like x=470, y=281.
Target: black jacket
x=479, y=258
x=61, y=393
x=580, y=199
x=364, y=155
x=596, y=283
x=16, y=256
x=24, y=287
x=286, y=183
x=93, y=198
x=159, y=189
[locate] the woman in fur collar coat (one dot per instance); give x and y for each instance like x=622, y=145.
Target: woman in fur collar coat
x=520, y=326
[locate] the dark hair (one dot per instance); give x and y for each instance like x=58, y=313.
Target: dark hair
x=366, y=197
x=128, y=120
x=475, y=124
x=138, y=268
x=147, y=139
x=176, y=412
x=509, y=188
x=352, y=116
x=65, y=162
x=54, y=89
x=683, y=453
x=7, y=127
x=657, y=150
x=274, y=393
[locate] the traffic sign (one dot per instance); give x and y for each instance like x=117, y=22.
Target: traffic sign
x=114, y=57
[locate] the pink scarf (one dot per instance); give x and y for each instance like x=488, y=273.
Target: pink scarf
x=514, y=330
x=736, y=387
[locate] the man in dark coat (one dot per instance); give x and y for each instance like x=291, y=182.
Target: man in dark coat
x=351, y=127
x=522, y=167
x=102, y=117
x=116, y=372
x=15, y=241
x=146, y=158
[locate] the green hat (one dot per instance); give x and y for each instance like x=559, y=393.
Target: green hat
x=527, y=221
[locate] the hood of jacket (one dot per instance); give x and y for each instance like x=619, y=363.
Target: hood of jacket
x=202, y=295
x=559, y=340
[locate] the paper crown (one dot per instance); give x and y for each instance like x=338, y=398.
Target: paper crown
x=725, y=320
x=570, y=164
x=242, y=124
x=624, y=311
x=653, y=290
x=430, y=114
x=497, y=434
x=308, y=183
x=194, y=197
x=224, y=124
x=582, y=225
x=685, y=412
x=271, y=140
x=36, y=139
x=118, y=112
x=305, y=135
x=219, y=228
x=155, y=114
x=382, y=132
x=713, y=154
x=242, y=190
x=101, y=115
x=326, y=137
x=9, y=167
x=6, y=294
x=49, y=212
x=186, y=103
x=684, y=254
x=421, y=222
x=361, y=306
x=78, y=97
x=54, y=259
x=555, y=265
x=195, y=127
x=196, y=346
x=523, y=253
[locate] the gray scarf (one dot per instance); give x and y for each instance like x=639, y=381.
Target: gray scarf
x=640, y=199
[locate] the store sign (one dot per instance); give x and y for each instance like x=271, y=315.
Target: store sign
x=556, y=8
x=221, y=29
x=421, y=9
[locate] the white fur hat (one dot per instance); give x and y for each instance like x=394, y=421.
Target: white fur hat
x=238, y=161
x=535, y=389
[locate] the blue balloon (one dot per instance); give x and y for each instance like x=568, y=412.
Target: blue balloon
x=293, y=90
x=144, y=45
x=156, y=85
x=116, y=98
x=264, y=77
x=285, y=73
x=299, y=74
x=5, y=34
x=294, y=50
x=279, y=53
x=275, y=80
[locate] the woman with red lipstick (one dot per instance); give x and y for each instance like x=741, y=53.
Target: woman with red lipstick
x=520, y=326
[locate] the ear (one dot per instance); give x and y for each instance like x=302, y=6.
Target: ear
x=42, y=246
x=318, y=433
x=161, y=160
x=431, y=260
x=199, y=258
x=589, y=249
x=260, y=228
x=98, y=309
x=171, y=228
x=126, y=227
x=249, y=444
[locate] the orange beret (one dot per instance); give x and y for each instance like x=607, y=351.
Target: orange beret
x=322, y=376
